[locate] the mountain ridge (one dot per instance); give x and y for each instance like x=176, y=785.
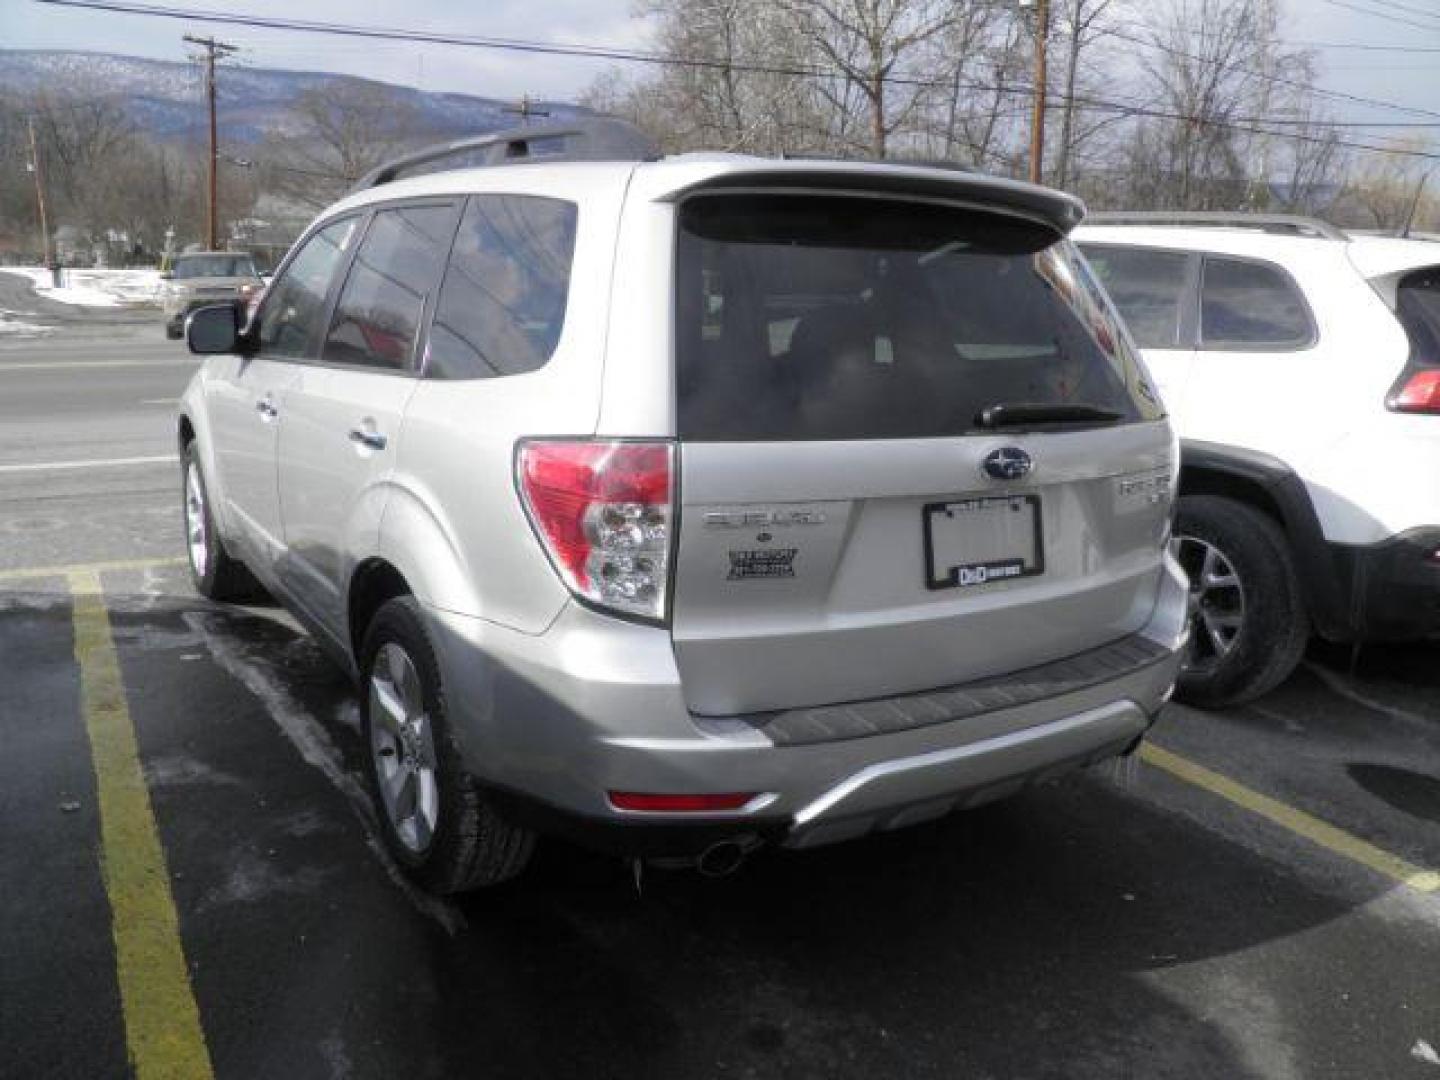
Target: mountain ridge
x=166, y=97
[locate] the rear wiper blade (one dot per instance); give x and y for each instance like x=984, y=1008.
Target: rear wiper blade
x=1021, y=414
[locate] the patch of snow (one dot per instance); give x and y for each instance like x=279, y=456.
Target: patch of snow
x=94, y=288
x=12, y=323
x=1423, y=1051
x=315, y=747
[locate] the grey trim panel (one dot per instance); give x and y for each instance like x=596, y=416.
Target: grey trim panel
x=886, y=716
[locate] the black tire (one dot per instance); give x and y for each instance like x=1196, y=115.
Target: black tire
x=470, y=846
x=1273, y=627
x=222, y=577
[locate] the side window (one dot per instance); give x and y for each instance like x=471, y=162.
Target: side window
x=295, y=303
x=1249, y=305
x=502, y=306
x=1149, y=288
x=396, y=267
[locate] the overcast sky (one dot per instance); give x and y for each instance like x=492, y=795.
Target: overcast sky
x=1408, y=78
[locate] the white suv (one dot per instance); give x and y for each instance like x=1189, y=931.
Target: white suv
x=1301, y=366
x=684, y=504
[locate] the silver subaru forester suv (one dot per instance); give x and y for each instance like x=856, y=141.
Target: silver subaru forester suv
x=683, y=505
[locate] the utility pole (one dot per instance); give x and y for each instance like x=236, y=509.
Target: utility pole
x=1037, y=119
x=526, y=109
x=40, y=194
x=213, y=49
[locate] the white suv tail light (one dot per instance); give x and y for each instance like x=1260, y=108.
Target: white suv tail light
x=1417, y=392
x=604, y=511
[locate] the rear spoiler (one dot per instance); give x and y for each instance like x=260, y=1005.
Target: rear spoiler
x=1060, y=211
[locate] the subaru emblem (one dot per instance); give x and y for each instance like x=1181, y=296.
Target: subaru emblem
x=1007, y=463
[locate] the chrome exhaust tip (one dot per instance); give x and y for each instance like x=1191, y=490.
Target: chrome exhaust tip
x=721, y=859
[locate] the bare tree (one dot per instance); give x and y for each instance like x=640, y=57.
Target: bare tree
x=1202, y=68
x=875, y=44
x=1388, y=189
x=1079, y=23
x=342, y=129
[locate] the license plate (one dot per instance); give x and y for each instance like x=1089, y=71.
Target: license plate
x=982, y=540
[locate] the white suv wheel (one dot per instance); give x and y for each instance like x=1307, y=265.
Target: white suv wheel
x=1217, y=601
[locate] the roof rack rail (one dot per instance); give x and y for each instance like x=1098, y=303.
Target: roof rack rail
x=1275, y=223
x=597, y=138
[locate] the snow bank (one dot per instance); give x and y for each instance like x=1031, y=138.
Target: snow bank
x=94, y=288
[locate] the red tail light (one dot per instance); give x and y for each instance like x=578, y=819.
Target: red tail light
x=604, y=511
x=1420, y=392
x=648, y=803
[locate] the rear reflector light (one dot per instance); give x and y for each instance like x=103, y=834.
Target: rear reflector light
x=604, y=511
x=679, y=804
x=1420, y=393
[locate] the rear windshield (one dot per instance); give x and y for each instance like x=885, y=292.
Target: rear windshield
x=827, y=317
x=1418, y=308
x=197, y=266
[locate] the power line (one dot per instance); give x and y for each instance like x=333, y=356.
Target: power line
x=1428, y=13
x=1356, y=47
x=1382, y=15
x=636, y=55
x=641, y=56
x=1279, y=80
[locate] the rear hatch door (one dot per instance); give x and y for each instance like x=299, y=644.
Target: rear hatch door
x=916, y=449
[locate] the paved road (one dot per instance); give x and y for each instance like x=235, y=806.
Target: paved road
x=1125, y=922
x=87, y=448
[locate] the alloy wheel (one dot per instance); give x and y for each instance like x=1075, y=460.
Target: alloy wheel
x=195, y=533
x=402, y=743
x=1217, y=602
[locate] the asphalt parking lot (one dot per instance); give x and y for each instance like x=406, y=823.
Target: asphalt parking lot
x=193, y=884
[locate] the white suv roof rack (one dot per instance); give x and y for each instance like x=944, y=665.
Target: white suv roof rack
x=1207, y=219
x=597, y=138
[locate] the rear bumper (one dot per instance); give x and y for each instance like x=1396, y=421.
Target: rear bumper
x=552, y=723
x=1393, y=587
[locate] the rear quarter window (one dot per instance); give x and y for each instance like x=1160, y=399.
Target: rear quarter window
x=836, y=318
x=1251, y=306
x=502, y=306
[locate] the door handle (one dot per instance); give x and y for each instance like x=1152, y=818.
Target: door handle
x=371, y=439
x=266, y=408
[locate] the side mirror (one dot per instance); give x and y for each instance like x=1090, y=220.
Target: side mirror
x=212, y=330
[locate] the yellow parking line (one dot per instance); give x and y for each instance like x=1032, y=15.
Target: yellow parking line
x=1297, y=821
x=25, y=573
x=162, y=1022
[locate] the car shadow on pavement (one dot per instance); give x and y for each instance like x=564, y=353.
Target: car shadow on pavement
x=1028, y=938
x=1083, y=929
x=1415, y=793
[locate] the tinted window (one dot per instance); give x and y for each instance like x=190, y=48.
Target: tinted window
x=295, y=303
x=396, y=267
x=502, y=306
x=1418, y=307
x=1251, y=305
x=803, y=317
x=198, y=266
x=1147, y=286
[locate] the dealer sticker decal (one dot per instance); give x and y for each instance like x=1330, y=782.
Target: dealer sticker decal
x=774, y=563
